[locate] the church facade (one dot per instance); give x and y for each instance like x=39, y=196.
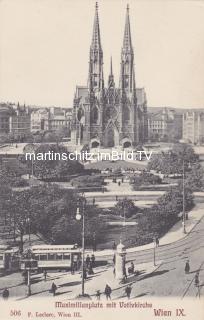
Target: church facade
x=110, y=116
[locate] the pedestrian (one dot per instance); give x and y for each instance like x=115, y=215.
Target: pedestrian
x=197, y=279
x=72, y=267
x=88, y=260
x=114, y=245
x=53, y=289
x=98, y=295
x=187, y=267
x=5, y=294
x=108, y=292
x=125, y=273
x=93, y=260
x=45, y=275
x=114, y=259
x=90, y=269
x=131, y=269
x=119, y=183
x=128, y=290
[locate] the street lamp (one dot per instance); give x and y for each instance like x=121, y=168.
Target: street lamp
x=155, y=243
x=28, y=222
x=80, y=214
x=184, y=213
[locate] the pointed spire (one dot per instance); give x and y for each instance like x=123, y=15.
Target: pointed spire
x=111, y=83
x=111, y=67
x=96, y=39
x=127, y=42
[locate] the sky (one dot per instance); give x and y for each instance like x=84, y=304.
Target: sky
x=44, y=49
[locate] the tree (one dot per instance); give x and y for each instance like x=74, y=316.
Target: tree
x=53, y=166
x=145, y=178
x=125, y=208
x=195, y=178
x=172, y=162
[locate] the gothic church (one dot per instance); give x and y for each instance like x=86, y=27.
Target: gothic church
x=109, y=116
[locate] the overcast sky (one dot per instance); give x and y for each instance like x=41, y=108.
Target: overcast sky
x=44, y=48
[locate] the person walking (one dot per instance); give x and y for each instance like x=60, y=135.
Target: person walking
x=5, y=294
x=45, y=275
x=187, y=267
x=108, y=292
x=197, y=279
x=93, y=259
x=114, y=258
x=114, y=246
x=53, y=289
x=125, y=273
x=128, y=290
x=88, y=260
x=98, y=295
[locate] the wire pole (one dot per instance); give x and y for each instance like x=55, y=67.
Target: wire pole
x=83, y=245
x=184, y=214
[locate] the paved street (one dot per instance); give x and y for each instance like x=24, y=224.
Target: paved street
x=166, y=279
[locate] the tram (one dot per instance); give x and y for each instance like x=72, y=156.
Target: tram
x=57, y=257
x=9, y=259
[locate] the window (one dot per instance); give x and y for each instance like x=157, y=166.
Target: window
x=59, y=256
x=94, y=115
x=51, y=256
x=126, y=114
x=43, y=257
x=66, y=256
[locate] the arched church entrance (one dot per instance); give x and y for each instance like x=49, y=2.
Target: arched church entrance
x=127, y=143
x=95, y=143
x=111, y=138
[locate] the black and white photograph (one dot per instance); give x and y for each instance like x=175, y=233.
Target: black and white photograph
x=101, y=159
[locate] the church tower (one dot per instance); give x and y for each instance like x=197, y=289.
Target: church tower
x=108, y=116
x=96, y=82
x=129, y=116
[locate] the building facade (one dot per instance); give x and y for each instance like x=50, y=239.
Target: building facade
x=20, y=122
x=165, y=124
x=39, y=120
x=5, y=113
x=193, y=127
x=109, y=116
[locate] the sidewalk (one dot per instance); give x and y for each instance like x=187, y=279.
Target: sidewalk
x=174, y=234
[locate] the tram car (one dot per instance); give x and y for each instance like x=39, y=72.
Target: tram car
x=66, y=257
x=9, y=259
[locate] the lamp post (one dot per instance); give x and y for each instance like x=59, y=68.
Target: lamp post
x=184, y=214
x=81, y=215
x=154, y=241
x=28, y=222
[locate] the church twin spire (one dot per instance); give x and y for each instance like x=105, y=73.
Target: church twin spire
x=96, y=81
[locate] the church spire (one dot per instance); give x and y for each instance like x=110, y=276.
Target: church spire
x=96, y=57
x=111, y=83
x=96, y=38
x=111, y=67
x=127, y=42
x=127, y=81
